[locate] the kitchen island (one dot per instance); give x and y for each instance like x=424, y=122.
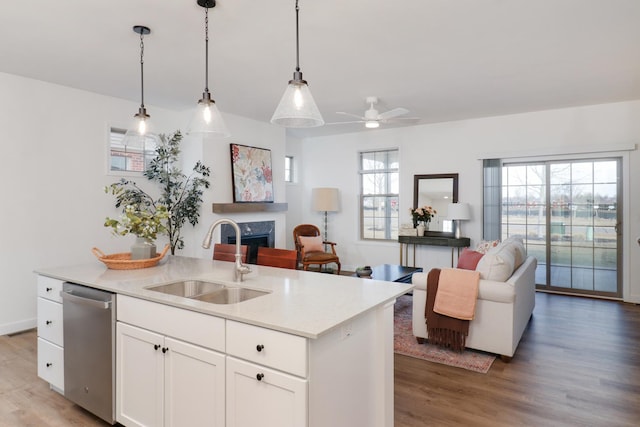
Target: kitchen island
x=315, y=350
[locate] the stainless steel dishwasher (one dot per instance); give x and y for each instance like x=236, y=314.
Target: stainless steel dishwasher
x=89, y=318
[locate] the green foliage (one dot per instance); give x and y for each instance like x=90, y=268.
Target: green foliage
x=141, y=222
x=181, y=195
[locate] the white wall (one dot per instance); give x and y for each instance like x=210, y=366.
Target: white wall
x=54, y=152
x=456, y=147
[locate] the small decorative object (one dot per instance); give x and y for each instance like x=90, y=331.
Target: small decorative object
x=422, y=216
x=251, y=174
x=364, y=271
x=123, y=261
x=421, y=229
x=407, y=230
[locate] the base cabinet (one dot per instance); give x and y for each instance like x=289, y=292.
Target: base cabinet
x=261, y=396
x=162, y=381
x=50, y=333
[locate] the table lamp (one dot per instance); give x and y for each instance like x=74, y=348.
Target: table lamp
x=458, y=212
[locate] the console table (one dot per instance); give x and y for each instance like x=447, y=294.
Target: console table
x=452, y=242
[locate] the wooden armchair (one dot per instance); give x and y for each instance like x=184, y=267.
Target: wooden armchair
x=310, y=247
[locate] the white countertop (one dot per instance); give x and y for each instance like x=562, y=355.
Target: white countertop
x=303, y=303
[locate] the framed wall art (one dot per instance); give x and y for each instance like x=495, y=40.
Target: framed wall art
x=251, y=173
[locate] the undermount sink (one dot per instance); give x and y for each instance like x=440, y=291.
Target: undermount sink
x=215, y=293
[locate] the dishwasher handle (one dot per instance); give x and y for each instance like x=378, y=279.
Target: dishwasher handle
x=85, y=301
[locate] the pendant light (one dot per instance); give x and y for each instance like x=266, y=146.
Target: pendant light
x=297, y=108
x=208, y=120
x=139, y=134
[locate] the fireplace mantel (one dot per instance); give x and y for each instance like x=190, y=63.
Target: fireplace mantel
x=249, y=207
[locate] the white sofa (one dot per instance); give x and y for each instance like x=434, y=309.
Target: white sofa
x=503, y=309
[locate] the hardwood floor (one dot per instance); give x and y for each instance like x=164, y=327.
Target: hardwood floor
x=578, y=364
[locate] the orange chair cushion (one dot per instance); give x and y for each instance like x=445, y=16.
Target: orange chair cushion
x=311, y=244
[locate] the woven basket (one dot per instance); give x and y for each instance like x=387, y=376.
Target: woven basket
x=123, y=261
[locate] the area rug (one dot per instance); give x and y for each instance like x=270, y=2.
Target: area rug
x=405, y=343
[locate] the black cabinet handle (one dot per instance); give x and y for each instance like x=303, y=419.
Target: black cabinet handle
x=165, y=349
x=259, y=347
x=49, y=364
x=156, y=347
x=49, y=289
x=48, y=322
x=259, y=377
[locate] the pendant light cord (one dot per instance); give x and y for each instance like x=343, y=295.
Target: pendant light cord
x=297, y=40
x=206, y=48
x=141, y=69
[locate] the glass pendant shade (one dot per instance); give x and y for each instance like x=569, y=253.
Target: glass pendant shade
x=208, y=121
x=140, y=132
x=297, y=109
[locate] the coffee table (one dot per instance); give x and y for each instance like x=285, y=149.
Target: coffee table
x=394, y=273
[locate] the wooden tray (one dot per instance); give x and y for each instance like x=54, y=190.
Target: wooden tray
x=123, y=261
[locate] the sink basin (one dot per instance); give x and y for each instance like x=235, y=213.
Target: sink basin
x=214, y=293
x=187, y=288
x=230, y=295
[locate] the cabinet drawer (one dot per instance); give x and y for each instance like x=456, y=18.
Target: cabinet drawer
x=190, y=326
x=267, y=347
x=50, y=321
x=49, y=288
x=51, y=363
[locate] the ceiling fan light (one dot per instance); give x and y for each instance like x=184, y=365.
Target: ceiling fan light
x=371, y=124
x=297, y=109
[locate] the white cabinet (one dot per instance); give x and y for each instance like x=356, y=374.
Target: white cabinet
x=261, y=396
x=162, y=380
x=50, y=335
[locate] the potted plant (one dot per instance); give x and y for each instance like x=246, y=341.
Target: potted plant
x=181, y=195
x=145, y=222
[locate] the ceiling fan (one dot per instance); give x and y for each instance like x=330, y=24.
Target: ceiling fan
x=372, y=118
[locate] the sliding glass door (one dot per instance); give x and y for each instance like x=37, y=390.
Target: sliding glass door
x=569, y=214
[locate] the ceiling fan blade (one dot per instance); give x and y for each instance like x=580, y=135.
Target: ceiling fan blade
x=344, y=123
x=350, y=115
x=406, y=120
x=392, y=113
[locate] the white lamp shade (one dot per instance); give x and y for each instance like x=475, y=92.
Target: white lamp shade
x=459, y=211
x=325, y=199
x=207, y=121
x=297, y=109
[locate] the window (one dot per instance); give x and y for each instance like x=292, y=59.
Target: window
x=129, y=157
x=288, y=169
x=379, y=189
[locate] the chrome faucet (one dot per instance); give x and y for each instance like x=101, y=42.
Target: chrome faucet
x=241, y=269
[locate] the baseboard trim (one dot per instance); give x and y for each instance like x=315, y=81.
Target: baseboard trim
x=22, y=325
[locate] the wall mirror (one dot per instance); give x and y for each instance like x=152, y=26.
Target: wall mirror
x=437, y=190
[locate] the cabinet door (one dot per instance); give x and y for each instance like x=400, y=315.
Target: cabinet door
x=139, y=377
x=260, y=396
x=194, y=385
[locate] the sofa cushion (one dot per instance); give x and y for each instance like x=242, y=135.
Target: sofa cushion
x=469, y=259
x=497, y=264
x=520, y=252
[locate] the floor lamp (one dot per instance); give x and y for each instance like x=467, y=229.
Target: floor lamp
x=325, y=200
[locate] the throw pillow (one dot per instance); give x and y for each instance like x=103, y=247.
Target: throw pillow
x=311, y=243
x=484, y=245
x=469, y=259
x=520, y=250
x=497, y=264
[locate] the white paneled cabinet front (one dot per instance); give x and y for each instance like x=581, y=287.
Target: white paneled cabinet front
x=50, y=333
x=162, y=381
x=261, y=396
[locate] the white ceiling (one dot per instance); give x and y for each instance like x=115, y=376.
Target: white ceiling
x=441, y=59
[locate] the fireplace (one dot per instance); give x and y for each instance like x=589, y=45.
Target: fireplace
x=253, y=234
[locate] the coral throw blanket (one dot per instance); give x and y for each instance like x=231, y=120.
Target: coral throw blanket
x=451, y=301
